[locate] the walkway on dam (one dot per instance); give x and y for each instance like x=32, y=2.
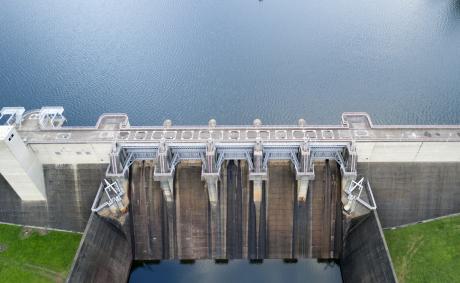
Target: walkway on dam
x=112, y=127
x=287, y=228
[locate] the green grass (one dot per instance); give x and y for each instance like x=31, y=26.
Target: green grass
x=29, y=255
x=426, y=252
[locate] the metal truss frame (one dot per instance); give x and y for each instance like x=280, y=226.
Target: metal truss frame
x=281, y=153
x=15, y=114
x=238, y=153
x=114, y=193
x=354, y=192
x=126, y=154
x=48, y=115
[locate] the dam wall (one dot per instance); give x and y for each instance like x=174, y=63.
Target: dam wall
x=280, y=227
x=426, y=156
x=408, y=192
x=365, y=256
x=222, y=192
x=104, y=254
x=70, y=191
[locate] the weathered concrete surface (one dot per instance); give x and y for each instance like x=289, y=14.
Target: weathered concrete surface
x=257, y=230
x=157, y=215
x=104, y=254
x=149, y=214
x=70, y=191
x=410, y=151
x=139, y=211
x=365, y=256
x=245, y=187
x=302, y=227
x=218, y=220
x=237, y=209
x=325, y=209
x=146, y=236
x=192, y=213
x=280, y=209
x=287, y=228
x=409, y=192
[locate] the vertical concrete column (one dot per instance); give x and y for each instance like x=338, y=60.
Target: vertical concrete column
x=258, y=176
x=305, y=173
x=210, y=174
x=20, y=167
x=302, y=178
x=166, y=184
x=164, y=175
x=171, y=215
x=257, y=197
x=163, y=172
x=215, y=216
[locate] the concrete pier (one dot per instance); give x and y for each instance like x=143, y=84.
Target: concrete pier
x=20, y=167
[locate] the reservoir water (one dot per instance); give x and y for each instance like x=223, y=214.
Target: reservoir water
x=190, y=61
x=233, y=60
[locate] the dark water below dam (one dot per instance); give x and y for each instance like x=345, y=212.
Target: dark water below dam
x=242, y=271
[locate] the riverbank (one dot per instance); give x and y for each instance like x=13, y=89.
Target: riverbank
x=35, y=255
x=426, y=252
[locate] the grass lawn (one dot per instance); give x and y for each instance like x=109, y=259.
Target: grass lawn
x=426, y=252
x=30, y=255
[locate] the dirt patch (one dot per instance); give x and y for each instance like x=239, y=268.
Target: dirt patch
x=3, y=248
x=42, y=232
x=415, y=244
x=26, y=232
x=48, y=273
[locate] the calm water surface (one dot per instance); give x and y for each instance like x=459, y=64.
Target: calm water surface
x=241, y=271
x=233, y=60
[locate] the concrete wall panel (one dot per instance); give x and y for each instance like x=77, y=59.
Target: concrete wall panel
x=70, y=191
x=408, y=151
x=72, y=153
x=365, y=256
x=408, y=192
x=104, y=254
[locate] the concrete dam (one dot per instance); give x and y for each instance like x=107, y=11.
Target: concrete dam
x=255, y=192
x=243, y=223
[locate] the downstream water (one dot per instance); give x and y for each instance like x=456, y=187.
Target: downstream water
x=234, y=60
x=241, y=271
